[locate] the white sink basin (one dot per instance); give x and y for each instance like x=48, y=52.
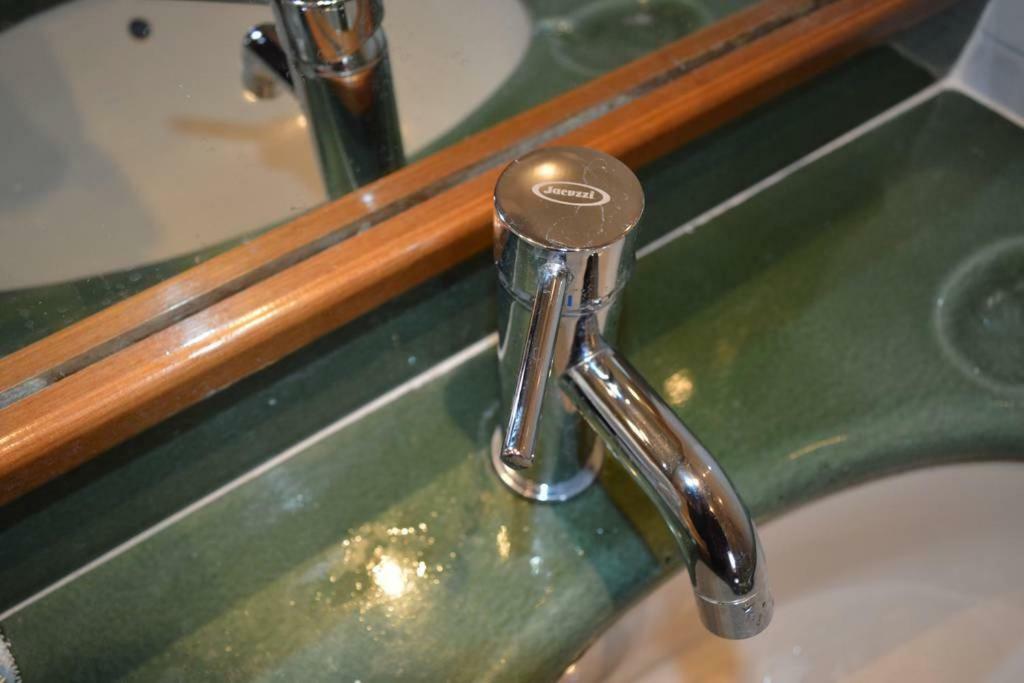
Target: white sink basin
x=116, y=152
x=912, y=578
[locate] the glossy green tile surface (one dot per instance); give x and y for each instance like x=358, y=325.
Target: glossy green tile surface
x=800, y=334
x=807, y=323
x=376, y=540
x=53, y=531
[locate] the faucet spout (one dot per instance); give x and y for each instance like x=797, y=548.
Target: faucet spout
x=695, y=497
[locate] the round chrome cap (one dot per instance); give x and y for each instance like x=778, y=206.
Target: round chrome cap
x=569, y=198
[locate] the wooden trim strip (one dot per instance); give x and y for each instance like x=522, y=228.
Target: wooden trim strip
x=55, y=429
x=69, y=350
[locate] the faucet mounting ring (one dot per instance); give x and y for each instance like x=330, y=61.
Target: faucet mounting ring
x=547, y=492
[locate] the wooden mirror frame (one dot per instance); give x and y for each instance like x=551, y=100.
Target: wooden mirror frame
x=109, y=376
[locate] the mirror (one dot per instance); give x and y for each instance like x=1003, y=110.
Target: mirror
x=139, y=138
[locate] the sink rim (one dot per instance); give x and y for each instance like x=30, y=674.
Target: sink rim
x=895, y=484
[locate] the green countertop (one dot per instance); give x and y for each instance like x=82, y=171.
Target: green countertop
x=68, y=523
x=862, y=316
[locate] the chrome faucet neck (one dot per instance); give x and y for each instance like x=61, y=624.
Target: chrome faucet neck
x=565, y=229
x=333, y=55
x=337, y=33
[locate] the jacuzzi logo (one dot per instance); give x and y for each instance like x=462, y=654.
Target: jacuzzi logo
x=573, y=194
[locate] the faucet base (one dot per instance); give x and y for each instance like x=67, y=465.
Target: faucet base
x=546, y=492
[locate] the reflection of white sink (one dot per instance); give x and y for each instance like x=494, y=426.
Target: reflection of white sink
x=115, y=152
x=912, y=578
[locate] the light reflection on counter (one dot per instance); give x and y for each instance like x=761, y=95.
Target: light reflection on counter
x=678, y=387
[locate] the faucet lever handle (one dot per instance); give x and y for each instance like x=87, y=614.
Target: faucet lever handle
x=517, y=451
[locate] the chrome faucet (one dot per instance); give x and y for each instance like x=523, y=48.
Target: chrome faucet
x=564, y=221
x=333, y=55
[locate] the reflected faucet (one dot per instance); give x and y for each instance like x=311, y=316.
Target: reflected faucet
x=332, y=54
x=564, y=222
